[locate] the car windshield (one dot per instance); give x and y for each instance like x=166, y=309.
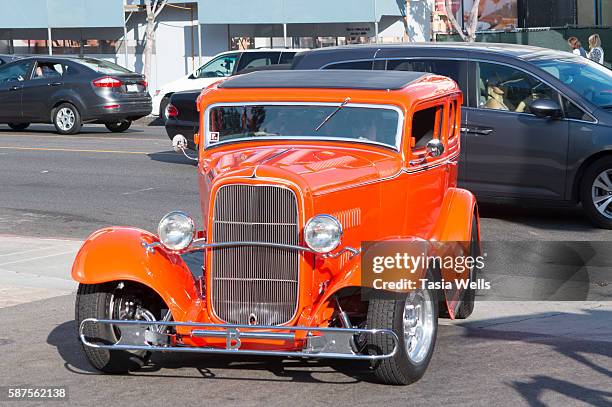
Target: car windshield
x=589, y=79
x=364, y=123
x=104, y=67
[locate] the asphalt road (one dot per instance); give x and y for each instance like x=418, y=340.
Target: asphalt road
x=68, y=186
x=471, y=366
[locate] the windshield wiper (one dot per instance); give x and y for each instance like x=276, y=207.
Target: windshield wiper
x=333, y=113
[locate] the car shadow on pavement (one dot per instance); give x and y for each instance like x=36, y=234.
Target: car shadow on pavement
x=573, y=218
x=585, y=352
x=64, y=338
x=172, y=157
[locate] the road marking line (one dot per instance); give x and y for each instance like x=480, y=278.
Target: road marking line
x=81, y=137
x=38, y=257
x=140, y=190
x=70, y=150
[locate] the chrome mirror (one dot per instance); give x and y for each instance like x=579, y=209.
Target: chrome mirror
x=435, y=148
x=179, y=144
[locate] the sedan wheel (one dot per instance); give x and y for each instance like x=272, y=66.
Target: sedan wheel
x=19, y=126
x=119, y=126
x=67, y=119
x=596, y=192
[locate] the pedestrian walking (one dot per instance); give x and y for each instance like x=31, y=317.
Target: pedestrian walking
x=576, y=47
x=596, y=53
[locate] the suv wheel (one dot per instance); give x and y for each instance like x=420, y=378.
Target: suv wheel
x=67, y=119
x=18, y=126
x=119, y=126
x=596, y=192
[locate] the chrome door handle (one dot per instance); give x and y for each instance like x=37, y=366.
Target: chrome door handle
x=477, y=131
x=55, y=84
x=14, y=88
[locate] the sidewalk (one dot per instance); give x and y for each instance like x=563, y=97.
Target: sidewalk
x=32, y=269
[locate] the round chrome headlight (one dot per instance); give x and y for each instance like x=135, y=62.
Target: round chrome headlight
x=322, y=233
x=176, y=230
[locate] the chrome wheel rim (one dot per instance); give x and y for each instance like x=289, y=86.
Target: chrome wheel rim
x=65, y=118
x=418, y=323
x=601, y=193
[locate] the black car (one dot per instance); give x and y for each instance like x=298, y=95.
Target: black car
x=69, y=92
x=536, y=123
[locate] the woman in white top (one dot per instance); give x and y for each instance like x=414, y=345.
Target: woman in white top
x=596, y=53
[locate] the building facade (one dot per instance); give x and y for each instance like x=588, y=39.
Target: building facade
x=190, y=32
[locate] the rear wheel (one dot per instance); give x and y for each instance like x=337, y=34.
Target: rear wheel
x=162, y=108
x=415, y=322
x=115, y=300
x=19, y=126
x=119, y=127
x=67, y=119
x=596, y=192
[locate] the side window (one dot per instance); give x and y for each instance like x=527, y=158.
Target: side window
x=217, y=68
x=452, y=119
x=572, y=111
x=426, y=125
x=257, y=59
x=47, y=70
x=286, y=57
x=454, y=69
x=361, y=65
x=15, y=73
x=502, y=87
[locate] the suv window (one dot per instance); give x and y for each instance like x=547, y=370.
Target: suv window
x=15, y=72
x=217, y=68
x=257, y=59
x=502, y=87
x=362, y=65
x=456, y=70
x=287, y=57
x=46, y=70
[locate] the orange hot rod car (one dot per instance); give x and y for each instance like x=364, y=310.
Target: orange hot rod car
x=296, y=169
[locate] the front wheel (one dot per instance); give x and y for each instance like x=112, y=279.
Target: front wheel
x=596, y=192
x=19, y=126
x=67, y=119
x=116, y=300
x=119, y=127
x=415, y=321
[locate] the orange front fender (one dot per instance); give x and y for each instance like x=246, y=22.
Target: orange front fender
x=116, y=253
x=454, y=223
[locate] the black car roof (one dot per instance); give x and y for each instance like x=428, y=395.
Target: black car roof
x=330, y=79
x=526, y=52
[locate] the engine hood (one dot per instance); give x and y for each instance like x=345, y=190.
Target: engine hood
x=318, y=169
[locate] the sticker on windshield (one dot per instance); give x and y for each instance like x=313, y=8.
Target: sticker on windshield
x=213, y=136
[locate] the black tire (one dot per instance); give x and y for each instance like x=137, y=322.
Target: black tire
x=399, y=369
x=19, y=126
x=162, y=108
x=587, y=193
x=67, y=119
x=119, y=127
x=93, y=301
x=469, y=296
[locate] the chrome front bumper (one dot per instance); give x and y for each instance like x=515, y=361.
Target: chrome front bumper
x=335, y=343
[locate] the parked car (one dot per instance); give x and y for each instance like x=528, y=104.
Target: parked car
x=536, y=123
x=296, y=171
x=70, y=91
x=6, y=58
x=220, y=66
x=182, y=116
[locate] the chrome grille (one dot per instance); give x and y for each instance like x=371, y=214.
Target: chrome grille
x=252, y=280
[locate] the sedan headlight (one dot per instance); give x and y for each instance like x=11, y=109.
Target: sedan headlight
x=176, y=230
x=322, y=233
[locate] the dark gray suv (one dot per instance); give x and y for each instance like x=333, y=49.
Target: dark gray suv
x=536, y=123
